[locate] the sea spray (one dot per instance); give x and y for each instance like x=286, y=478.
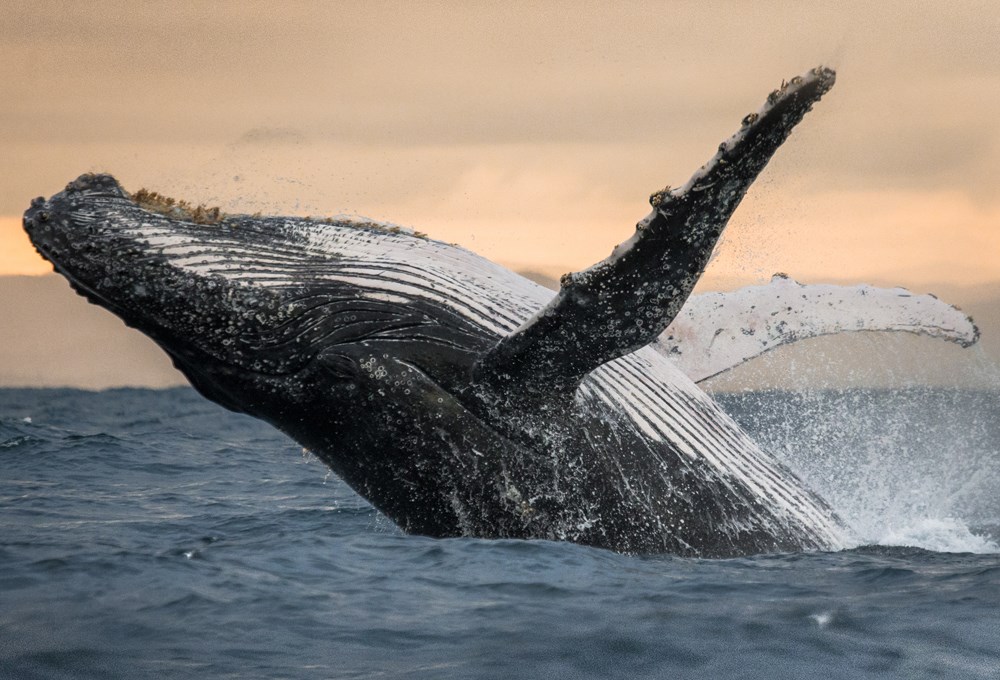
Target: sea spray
x=915, y=466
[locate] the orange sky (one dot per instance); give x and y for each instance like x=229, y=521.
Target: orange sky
x=531, y=133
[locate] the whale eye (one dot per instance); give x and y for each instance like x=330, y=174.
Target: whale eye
x=43, y=216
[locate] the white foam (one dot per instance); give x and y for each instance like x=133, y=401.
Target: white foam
x=945, y=534
x=822, y=619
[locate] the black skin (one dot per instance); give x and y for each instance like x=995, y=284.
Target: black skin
x=593, y=318
x=446, y=428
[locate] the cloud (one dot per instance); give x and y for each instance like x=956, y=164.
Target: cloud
x=266, y=136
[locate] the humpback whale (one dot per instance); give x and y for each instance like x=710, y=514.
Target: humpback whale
x=459, y=398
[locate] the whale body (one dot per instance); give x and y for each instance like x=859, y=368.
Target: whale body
x=460, y=398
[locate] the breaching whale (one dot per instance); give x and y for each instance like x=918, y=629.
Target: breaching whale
x=459, y=398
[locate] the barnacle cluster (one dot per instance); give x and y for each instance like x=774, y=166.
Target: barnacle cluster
x=202, y=214
x=172, y=207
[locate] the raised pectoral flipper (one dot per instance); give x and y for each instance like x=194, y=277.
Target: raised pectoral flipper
x=625, y=301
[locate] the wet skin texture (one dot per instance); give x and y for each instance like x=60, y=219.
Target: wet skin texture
x=447, y=425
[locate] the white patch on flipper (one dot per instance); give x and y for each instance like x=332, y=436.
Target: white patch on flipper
x=715, y=332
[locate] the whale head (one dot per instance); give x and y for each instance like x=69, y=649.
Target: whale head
x=252, y=305
x=337, y=332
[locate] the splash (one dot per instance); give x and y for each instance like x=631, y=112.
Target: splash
x=902, y=467
x=947, y=534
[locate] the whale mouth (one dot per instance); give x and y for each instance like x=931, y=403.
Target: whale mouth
x=51, y=224
x=69, y=244
x=97, y=236
x=80, y=222
x=244, y=291
x=91, y=233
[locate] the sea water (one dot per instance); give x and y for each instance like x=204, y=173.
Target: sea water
x=151, y=534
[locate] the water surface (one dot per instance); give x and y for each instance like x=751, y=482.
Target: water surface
x=152, y=534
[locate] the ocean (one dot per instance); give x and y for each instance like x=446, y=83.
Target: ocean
x=152, y=534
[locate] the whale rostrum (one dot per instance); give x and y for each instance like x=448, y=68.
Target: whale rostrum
x=459, y=398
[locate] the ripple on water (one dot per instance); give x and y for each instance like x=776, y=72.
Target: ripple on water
x=195, y=542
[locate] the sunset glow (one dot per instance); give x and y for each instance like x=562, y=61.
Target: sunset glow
x=17, y=256
x=529, y=137
x=530, y=134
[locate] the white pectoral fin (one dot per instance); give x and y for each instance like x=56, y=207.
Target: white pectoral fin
x=715, y=332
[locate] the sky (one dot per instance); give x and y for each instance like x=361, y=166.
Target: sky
x=532, y=133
